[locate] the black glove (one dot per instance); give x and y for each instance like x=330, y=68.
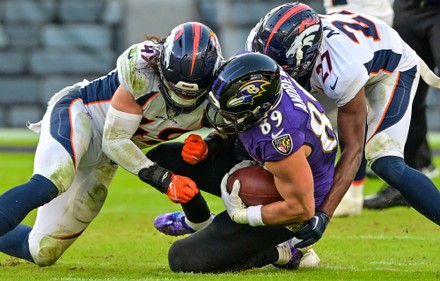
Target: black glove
x=313, y=230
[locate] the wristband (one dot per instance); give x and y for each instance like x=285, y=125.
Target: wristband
x=254, y=215
x=156, y=176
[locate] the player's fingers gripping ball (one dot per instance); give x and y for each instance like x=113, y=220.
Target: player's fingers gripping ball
x=232, y=201
x=194, y=149
x=181, y=189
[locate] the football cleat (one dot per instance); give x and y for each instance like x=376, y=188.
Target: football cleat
x=310, y=259
x=430, y=171
x=387, y=197
x=173, y=224
x=351, y=203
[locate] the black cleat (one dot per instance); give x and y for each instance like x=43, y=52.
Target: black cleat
x=387, y=197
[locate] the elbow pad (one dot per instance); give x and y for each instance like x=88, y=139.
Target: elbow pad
x=117, y=144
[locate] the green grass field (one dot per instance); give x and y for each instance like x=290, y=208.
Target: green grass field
x=122, y=244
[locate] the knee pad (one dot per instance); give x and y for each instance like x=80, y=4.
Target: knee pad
x=88, y=202
x=46, y=250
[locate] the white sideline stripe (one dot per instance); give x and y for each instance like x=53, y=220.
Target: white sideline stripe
x=402, y=267
x=22, y=134
x=384, y=237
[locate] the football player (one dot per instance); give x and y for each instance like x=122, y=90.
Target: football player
x=285, y=129
x=156, y=93
x=372, y=74
x=352, y=203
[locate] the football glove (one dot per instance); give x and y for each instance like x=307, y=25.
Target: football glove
x=194, y=149
x=235, y=207
x=179, y=189
x=313, y=230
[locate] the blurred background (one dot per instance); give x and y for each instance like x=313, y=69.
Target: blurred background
x=46, y=45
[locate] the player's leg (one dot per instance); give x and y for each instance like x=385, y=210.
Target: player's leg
x=65, y=134
x=227, y=246
x=207, y=174
x=60, y=222
x=54, y=163
x=412, y=24
x=385, y=143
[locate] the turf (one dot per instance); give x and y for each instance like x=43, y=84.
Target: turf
x=121, y=243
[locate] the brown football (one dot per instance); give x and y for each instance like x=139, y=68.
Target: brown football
x=257, y=186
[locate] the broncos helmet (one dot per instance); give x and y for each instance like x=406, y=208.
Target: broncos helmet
x=290, y=34
x=190, y=56
x=245, y=88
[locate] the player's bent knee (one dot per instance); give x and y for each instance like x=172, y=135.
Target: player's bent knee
x=47, y=250
x=88, y=202
x=175, y=258
x=179, y=258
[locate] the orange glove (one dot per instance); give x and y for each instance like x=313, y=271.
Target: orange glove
x=194, y=149
x=181, y=189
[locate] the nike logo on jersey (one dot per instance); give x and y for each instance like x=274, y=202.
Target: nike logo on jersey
x=334, y=85
x=274, y=136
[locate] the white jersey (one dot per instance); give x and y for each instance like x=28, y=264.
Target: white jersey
x=357, y=50
x=378, y=8
x=75, y=119
x=140, y=79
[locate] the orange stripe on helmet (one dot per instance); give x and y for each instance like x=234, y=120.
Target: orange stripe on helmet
x=197, y=31
x=296, y=9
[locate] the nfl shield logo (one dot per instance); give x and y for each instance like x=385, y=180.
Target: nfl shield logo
x=283, y=144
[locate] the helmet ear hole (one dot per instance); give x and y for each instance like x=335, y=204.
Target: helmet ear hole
x=190, y=55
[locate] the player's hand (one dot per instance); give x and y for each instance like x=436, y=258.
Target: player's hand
x=233, y=203
x=194, y=149
x=181, y=189
x=313, y=230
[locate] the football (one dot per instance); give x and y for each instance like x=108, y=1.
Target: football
x=257, y=186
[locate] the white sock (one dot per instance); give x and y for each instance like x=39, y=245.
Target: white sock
x=284, y=253
x=200, y=225
x=357, y=188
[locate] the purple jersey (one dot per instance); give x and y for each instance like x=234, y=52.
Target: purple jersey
x=297, y=119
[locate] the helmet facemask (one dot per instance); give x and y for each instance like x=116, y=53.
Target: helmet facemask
x=190, y=56
x=245, y=89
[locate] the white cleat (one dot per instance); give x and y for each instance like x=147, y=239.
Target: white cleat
x=352, y=203
x=310, y=259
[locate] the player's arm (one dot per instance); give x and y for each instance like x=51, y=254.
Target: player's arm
x=351, y=131
x=294, y=181
x=122, y=121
